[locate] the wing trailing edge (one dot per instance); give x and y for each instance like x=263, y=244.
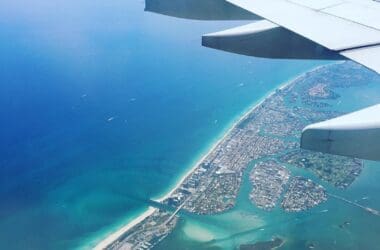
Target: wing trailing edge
x=268, y=40
x=199, y=9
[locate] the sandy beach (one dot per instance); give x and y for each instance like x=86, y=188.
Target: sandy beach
x=114, y=236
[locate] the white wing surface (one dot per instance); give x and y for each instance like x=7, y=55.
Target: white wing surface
x=350, y=28
x=356, y=134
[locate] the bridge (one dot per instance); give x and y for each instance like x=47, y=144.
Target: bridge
x=367, y=209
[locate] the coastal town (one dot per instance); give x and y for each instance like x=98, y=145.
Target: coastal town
x=268, y=180
x=148, y=233
x=269, y=136
x=303, y=194
x=341, y=175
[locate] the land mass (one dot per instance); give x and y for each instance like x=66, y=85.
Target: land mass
x=267, y=134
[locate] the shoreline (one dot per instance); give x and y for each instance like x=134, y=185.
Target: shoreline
x=115, y=235
x=215, y=145
x=242, y=116
x=107, y=241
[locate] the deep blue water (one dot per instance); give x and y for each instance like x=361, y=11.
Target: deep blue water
x=103, y=106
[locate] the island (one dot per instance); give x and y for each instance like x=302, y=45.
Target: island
x=303, y=194
x=276, y=242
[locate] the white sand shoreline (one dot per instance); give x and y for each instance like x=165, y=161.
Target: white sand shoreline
x=114, y=236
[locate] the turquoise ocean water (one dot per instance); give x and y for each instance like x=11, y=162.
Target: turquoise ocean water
x=104, y=106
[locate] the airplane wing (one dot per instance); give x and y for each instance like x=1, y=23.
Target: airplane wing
x=355, y=134
x=350, y=28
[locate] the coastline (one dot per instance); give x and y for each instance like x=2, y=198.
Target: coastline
x=115, y=235
x=215, y=145
x=107, y=241
x=225, y=133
